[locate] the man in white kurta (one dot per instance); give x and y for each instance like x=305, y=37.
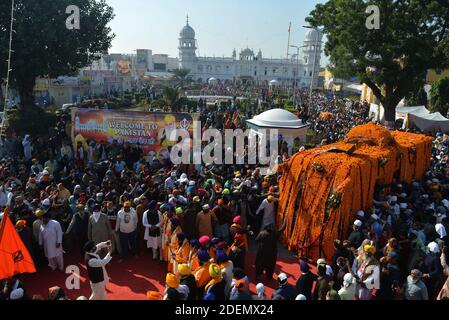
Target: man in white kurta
x=269, y=214
x=95, y=262
x=50, y=237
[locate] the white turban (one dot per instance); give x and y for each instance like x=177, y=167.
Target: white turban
x=260, y=289
x=16, y=294
x=433, y=247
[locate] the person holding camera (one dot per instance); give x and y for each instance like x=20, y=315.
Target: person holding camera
x=96, y=268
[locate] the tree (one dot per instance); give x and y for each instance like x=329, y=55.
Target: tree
x=439, y=96
x=43, y=45
x=394, y=59
x=171, y=97
x=417, y=97
x=181, y=76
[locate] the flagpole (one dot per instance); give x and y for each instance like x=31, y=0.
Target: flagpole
x=9, y=65
x=288, y=48
x=288, y=43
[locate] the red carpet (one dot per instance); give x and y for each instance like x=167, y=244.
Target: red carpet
x=131, y=279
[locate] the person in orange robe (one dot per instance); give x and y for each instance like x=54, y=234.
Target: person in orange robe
x=202, y=276
x=181, y=254
x=173, y=242
x=193, y=261
x=236, y=228
x=166, y=230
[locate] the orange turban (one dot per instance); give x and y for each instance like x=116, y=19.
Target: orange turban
x=172, y=280
x=154, y=295
x=21, y=223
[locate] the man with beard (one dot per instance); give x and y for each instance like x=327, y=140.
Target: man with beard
x=267, y=250
x=368, y=272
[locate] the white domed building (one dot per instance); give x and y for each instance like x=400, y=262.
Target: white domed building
x=288, y=126
x=248, y=66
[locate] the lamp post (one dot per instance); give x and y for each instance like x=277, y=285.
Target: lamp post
x=318, y=31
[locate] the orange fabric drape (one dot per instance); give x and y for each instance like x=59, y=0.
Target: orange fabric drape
x=347, y=171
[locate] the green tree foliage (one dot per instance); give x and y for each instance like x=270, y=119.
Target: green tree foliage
x=393, y=60
x=171, y=97
x=43, y=45
x=439, y=96
x=417, y=97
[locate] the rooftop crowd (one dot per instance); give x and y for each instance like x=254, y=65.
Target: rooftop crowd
x=108, y=201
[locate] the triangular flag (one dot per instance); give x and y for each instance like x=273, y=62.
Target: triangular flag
x=14, y=256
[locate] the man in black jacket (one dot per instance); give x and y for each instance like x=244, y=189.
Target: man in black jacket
x=96, y=268
x=305, y=282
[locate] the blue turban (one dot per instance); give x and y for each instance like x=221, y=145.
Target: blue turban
x=203, y=255
x=194, y=243
x=221, y=256
x=174, y=222
x=215, y=241
x=181, y=237
x=152, y=205
x=304, y=267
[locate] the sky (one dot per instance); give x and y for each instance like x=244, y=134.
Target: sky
x=220, y=26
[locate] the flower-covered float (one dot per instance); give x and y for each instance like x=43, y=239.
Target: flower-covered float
x=322, y=189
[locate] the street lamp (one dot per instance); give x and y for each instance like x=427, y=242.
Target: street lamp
x=297, y=71
x=318, y=31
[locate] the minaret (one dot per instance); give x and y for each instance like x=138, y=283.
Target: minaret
x=312, y=55
x=187, y=46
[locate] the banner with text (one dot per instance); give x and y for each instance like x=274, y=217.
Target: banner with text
x=155, y=132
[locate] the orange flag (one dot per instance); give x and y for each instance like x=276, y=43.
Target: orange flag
x=14, y=256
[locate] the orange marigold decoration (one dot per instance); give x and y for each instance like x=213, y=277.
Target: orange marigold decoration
x=322, y=189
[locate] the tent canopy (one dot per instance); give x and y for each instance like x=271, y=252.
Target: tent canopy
x=423, y=118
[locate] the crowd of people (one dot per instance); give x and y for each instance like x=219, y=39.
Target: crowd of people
x=108, y=200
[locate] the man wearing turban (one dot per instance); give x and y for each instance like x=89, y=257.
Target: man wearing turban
x=202, y=276
x=216, y=285
x=173, y=241
x=188, y=279
x=152, y=221
x=368, y=272
x=180, y=251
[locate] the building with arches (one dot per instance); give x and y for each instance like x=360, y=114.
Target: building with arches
x=249, y=66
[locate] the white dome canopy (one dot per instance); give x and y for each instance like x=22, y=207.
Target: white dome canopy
x=277, y=118
x=312, y=34
x=187, y=32
x=274, y=82
x=212, y=80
